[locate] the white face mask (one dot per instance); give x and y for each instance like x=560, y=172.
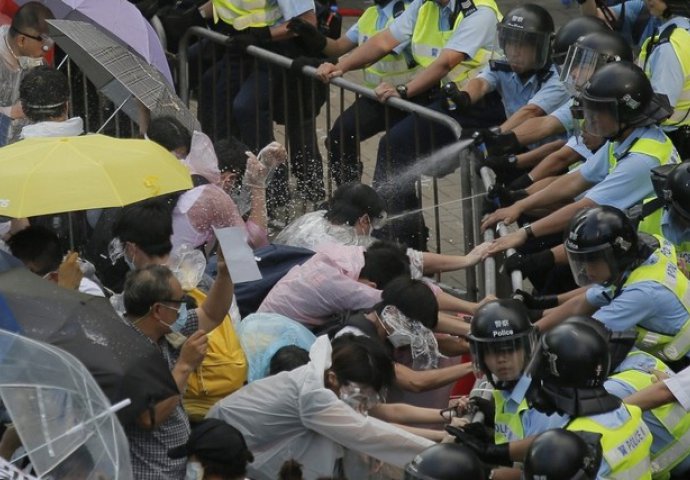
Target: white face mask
x=194, y=471
x=27, y=63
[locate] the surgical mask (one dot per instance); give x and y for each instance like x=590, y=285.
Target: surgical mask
x=181, y=320
x=27, y=63
x=398, y=339
x=195, y=471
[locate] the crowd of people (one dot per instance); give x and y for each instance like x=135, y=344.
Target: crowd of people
x=344, y=360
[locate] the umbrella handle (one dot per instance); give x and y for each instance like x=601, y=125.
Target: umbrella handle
x=114, y=113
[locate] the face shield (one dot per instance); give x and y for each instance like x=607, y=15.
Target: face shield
x=361, y=398
x=595, y=265
x=601, y=116
x=519, y=50
x=502, y=361
x=116, y=250
x=580, y=63
x=402, y=331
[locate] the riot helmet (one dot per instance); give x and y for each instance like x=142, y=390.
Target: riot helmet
x=524, y=40
x=601, y=244
x=445, y=461
x=571, y=31
x=589, y=53
x=620, y=343
x=501, y=341
x=680, y=8
x=676, y=192
x=619, y=96
x=560, y=454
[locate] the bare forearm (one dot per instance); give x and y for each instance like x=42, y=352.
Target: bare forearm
x=537, y=155
x=369, y=52
x=433, y=435
x=406, y=414
x=423, y=380
x=555, y=163
x=558, y=220
x=522, y=115
x=336, y=48
x=563, y=188
x=281, y=32
x=577, y=305
x=537, y=128
x=477, y=88
x=217, y=303
x=431, y=76
x=257, y=212
x=437, y=262
x=451, y=324
x=161, y=411
x=651, y=397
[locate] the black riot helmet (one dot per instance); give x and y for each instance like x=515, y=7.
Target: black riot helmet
x=619, y=96
x=601, y=244
x=591, y=52
x=680, y=8
x=676, y=192
x=560, y=454
x=620, y=343
x=568, y=34
x=502, y=327
x=524, y=40
x=445, y=461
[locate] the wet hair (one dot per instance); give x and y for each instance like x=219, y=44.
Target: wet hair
x=352, y=200
x=413, y=298
x=287, y=358
x=148, y=224
x=146, y=286
x=237, y=469
x=290, y=470
x=383, y=261
x=169, y=133
x=44, y=93
x=38, y=245
x=231, y=156
x=357, y=358
x=30, y=17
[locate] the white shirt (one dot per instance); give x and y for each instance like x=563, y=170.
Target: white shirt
x=679, y=385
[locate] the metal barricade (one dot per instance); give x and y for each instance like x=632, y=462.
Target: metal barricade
x=342, y=93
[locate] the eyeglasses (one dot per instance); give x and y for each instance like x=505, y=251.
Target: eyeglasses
x=46, y=40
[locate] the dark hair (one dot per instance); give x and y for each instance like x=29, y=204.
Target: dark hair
x=146, y=286
x=287, y=358
x=230, y=470
x=383, y=261
x=79, y=463
x=413, y=298
x=231, y=155
x=352, y=200
x=44, y=93
x=148, y=224
x=31, y=16
x=290, y=470
x=38, y=245
x=169, y=133
x=357, y=358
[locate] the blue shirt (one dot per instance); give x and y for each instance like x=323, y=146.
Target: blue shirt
x=630, y=181
x=633, y=8
x=474, y=31
x=384, y=14
x=565, y=116
x=634, y=306
x=293, y=8
x=576, y=144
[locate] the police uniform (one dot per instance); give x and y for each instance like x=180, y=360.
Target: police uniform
x=661, y=223
x=669, y=424
x=636, y=23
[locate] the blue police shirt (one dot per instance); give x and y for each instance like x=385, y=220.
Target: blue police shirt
x=629, y=182
x=385, y=13
x=633, y=8
x=293, y=8
x=565, y=116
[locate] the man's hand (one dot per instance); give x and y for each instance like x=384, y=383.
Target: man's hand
x=251, y=36
x=506, y=215
x=512, y=240
x=384, y=91
x=536, y=302
x=17, y=111
x=488, y=452
x=501, y=143
x=69, y=273
x=194, y=349
x=530, y=264
x=327, y=70
x=310, y=38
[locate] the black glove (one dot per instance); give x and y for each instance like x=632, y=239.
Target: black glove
x=522, y=182
x=479, y=431
x=460, y=98
x=251, y=36
x=487, y=407
x=536, y=302
x=308, y=36
x=502, y=165
x=499, y=196
x=488, y=452
x=501, y=143
x=530, y=264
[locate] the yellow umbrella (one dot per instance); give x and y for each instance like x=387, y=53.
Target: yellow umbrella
x=39, y=176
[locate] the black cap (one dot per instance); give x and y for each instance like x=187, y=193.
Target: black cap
x=213, y=440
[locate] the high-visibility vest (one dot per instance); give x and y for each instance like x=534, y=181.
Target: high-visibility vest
x=679, y=40
x=428, y=41
x=651, y=224
x=626, y=448
x=223, y=370
x=393, y=68
x=241, y=14
x=664, y=152
x=672, y=416
x=507, y=425
x=664, y=271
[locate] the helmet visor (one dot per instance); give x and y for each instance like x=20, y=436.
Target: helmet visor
x=502, y=361
x=580, y=63
x=521, y=50
x=601, y=116
x=592, y=266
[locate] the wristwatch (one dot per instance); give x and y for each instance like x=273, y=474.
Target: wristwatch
x=527, y=227
x=402, y=91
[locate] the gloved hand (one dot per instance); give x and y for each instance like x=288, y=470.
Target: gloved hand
x=522, y=182
x=498, y=143
x=251, y=36
x=460, y=98
x=479, y=431
x=504, y=166
x=488, y=452
x=530, y=264
x=536, y=302
x=308, y=36
x=487, y=407
x=499, y=196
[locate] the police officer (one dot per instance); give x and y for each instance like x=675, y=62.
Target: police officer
x=666, y=60
x=563, y=455
x=446, y=461
x=630, y=18
x=627, y=270
x=619, y=105
x=571, y=364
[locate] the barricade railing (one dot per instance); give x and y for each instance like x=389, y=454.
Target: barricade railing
x=214, y=45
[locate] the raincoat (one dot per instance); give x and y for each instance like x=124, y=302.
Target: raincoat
x=10, y=77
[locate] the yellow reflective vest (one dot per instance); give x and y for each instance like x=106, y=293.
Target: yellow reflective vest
x=507, y=425
x=679, y=40
x=664, y=152
x=672, y=416
x=394, y=67
x=651, y=224
x=626, y=449
x=241, y=14
x=428, y=41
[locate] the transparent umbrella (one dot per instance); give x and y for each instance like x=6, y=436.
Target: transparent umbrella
x=65, y=423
